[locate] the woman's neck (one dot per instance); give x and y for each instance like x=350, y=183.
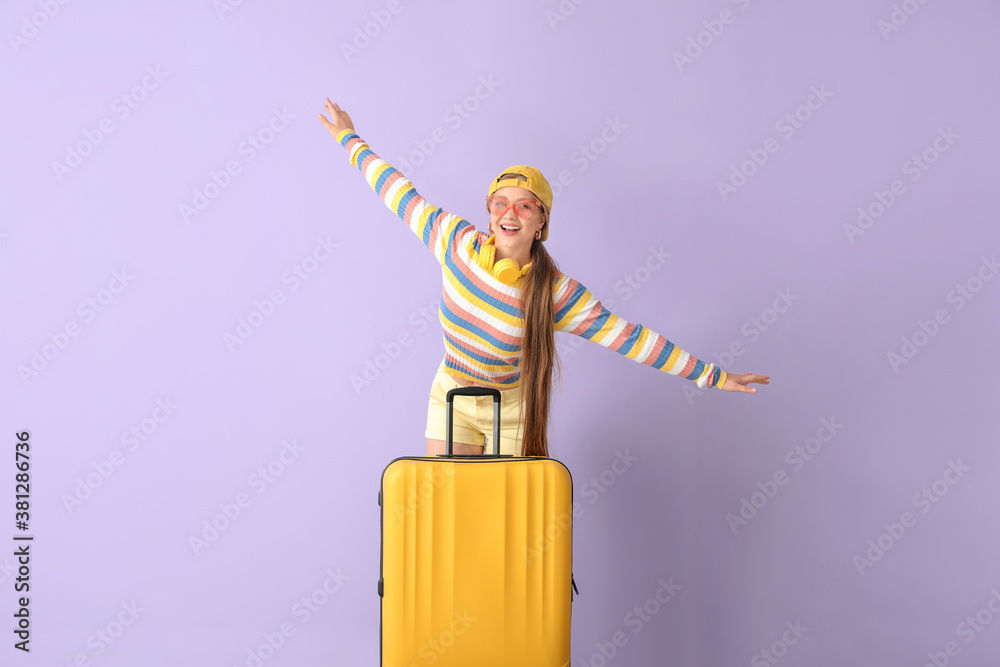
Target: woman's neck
x=502, y=253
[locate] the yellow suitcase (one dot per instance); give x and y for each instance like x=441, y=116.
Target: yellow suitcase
x=476, y=562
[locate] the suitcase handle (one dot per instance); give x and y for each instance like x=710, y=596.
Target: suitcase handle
x=472, y=391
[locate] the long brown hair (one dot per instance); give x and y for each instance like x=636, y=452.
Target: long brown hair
x=538, y=351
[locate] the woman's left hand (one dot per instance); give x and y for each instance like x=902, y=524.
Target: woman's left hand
x=739, y=382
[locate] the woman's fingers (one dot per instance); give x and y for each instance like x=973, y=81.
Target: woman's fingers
x=338, y=121
x=741, y=380
x=759, y=379
x=333, y=107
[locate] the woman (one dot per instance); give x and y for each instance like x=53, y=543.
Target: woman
x=503, y=300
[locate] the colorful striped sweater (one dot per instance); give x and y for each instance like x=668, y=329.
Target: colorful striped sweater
x=482, y=318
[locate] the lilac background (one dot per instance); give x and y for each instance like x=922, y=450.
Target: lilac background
x=555, y=85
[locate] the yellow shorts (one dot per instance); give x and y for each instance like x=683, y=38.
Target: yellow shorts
x=472, y=418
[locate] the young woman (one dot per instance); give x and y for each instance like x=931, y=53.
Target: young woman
x=503, y=300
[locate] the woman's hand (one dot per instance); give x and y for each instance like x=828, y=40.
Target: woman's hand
x=739, y=382
x=341, y=121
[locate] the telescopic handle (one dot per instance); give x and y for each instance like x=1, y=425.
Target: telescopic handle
x=472, y=391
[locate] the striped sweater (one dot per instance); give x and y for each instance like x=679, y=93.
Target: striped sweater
x=482, y=318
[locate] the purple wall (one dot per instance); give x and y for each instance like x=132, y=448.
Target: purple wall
x=745, y=139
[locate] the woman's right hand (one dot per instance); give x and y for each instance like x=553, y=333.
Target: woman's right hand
x=341, y=121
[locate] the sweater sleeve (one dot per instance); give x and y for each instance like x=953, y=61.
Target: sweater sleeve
x=579, y=313
x=437, y=229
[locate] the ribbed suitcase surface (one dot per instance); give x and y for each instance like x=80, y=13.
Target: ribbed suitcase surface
x=476, y=562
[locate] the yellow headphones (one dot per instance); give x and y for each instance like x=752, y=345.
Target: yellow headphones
x=507, y=270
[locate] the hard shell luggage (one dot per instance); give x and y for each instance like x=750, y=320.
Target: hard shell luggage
x=476, y=562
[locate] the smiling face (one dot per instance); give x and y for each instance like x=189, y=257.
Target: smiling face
x=514, y=235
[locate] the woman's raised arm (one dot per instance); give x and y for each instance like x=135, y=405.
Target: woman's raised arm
x=437, y=229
